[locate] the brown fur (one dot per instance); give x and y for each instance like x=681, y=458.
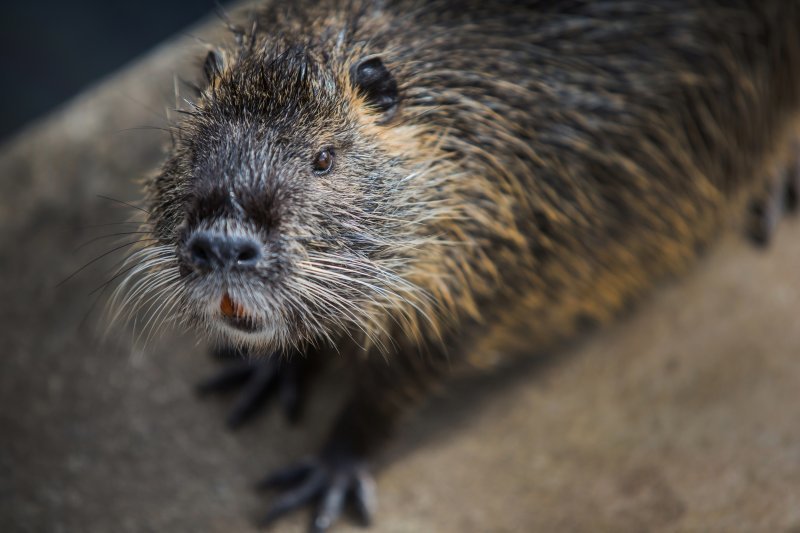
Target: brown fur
x=548, y=162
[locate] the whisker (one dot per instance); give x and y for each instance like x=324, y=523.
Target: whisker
x=129, y=222
x=95, y=239
x=166, y=287
x=118, y=274
x=141, y=128
x=121, y=263
x=141, y=261
x=343, y=306
x=98, y=258
x=137, y=291
x=123, y=203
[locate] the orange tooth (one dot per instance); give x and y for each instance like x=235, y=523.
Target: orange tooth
x=231, y=309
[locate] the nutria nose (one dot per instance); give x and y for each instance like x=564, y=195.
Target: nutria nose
x=209, y=250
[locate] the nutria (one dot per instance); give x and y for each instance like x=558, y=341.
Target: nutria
x=416, y=185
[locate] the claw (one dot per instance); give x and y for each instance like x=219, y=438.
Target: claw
x=333, y=481
x=365, y=497
x=298, y=497
x=229, y=378
x=793, y=186
x=765, y=214
x=287, y=476
x=260, y=378
x=253, y=396
x=332, y=503
x=780, y=196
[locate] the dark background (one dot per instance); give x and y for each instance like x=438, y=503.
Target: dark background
x=51, y=49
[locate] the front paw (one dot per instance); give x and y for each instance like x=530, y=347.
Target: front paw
x=259, y=378
x=329, y=481
x=780, y=195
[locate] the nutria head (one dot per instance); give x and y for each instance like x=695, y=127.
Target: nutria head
x=287, y=211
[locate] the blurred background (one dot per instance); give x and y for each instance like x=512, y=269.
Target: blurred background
x=50, y=50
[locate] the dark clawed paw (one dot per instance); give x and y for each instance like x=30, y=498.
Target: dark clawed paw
x=764, y=215
x=330, y=483
x=781, y=195
x=259, y=378
x=793, y=186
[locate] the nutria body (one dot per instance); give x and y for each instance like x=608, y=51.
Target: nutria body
x=419, y=185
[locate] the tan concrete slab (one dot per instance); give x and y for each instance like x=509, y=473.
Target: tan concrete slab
x=683, y=416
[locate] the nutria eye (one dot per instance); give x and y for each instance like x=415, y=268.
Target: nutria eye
x=323, y=161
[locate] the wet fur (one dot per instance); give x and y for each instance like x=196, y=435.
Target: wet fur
x=548, y=162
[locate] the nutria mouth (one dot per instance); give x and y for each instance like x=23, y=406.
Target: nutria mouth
x=236, y=316
x=247, y=325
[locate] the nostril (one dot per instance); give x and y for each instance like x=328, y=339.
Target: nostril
x=249, y=253
x=209, y=250
x=199, y=253
x=200, y=250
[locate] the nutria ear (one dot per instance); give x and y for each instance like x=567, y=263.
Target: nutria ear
x=212, y=65
x=374, y=80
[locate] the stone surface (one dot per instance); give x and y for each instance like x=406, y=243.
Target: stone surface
x=684, y=416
